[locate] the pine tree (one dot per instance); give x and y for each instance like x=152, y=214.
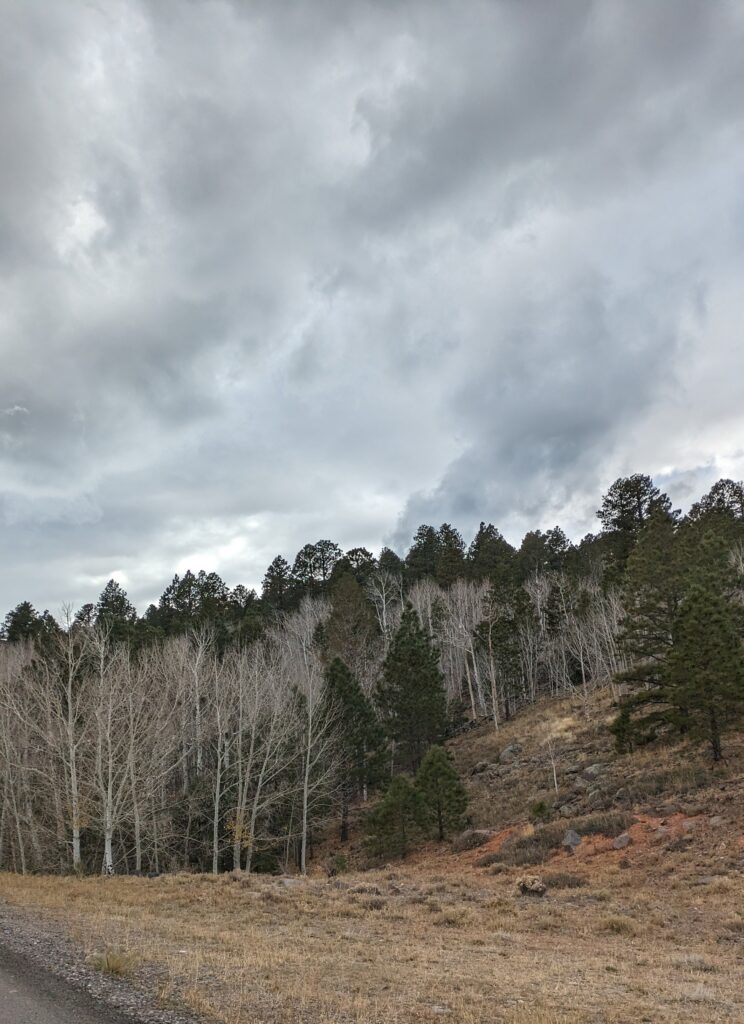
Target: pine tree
x=705, y=670
x=411, y=694
x=654, y=586
x=491, y=557
x=360, y=741
x=625, y=508
x=697, y=674
x=115, y=611
x=397, y=821
x=277, y=587
x=423, y=555
x=441, y=790
x=450, y=561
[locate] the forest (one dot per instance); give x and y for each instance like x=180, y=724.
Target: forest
x=226, y=730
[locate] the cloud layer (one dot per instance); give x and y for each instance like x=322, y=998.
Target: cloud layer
x=276, y=272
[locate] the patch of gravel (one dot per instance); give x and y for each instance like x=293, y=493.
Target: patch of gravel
x=41, y=942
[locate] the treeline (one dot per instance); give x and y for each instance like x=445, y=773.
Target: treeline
x=220, y=728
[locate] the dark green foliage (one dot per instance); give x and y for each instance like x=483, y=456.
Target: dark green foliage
x=725, y=498
x=685, y=630
x=542, y=552
x=705, y=671
x=360, y=743
x=450, y=562
x=491, y=557
x=277, y=588
x=358, y=562
x=411, y=694
x=314, y=564
x=422, y=556
x=654, y=585
x=625, y=508
x=22, y=623
x=352, y=625
x=442, y=792
x=115, y=612
x=397, y=822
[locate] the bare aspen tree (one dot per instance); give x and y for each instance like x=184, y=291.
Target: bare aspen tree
x=304, y=672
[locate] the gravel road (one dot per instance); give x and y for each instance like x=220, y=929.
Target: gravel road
x=30, y=995
x=46, y=979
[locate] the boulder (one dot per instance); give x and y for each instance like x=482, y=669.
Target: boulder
x=479, y=768
x=509, y=754
x=531, y=885
x=592, y=772
x=571, y=839
x=471, y=839
x=596, y=800
x=567, y=811
x=621, y=842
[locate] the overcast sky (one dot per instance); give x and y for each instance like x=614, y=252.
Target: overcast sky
x=271, y=272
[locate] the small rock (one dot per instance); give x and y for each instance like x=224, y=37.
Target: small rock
x=690, y=826
x=592, y=772
x=620, y=842
x=716, y=821
x=571, y=839
x=567, y=811
x=580, y=783
x=479, y=768
x=531, y=885
x=573, y=769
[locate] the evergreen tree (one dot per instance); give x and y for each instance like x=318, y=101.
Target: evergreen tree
x=397, y=821
x=359, y=562
x=22, y=623
x=390, y=562
x=653, y=590
x=726, y=497
x=705, y=671
x=351, y=628
x=423, y=555
x=277, y=586
x=450, y=558
x=360, y=744
x=442, y=792
x=625, y=508
x=115, y=611
x=411, y=694
x=491, y=557
x=542, y=552
x=696, y=677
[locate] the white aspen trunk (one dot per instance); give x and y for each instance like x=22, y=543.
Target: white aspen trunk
x=306, y=790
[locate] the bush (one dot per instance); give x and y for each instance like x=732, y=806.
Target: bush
x=539, y=811
x=564, y=880
x=397, y=821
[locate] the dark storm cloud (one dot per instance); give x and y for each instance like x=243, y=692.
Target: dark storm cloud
x=274, y=272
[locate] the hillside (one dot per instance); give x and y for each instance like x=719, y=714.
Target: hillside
x=641, y=921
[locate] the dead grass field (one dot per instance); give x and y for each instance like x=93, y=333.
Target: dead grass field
x=651, y=933
x=426, y=942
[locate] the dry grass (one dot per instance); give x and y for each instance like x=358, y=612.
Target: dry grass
x=653, y=932
x=426, y=942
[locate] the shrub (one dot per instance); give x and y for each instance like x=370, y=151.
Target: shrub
x=113, y=961
x=564, y=880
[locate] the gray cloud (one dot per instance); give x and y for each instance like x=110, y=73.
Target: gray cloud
x=341, y=268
